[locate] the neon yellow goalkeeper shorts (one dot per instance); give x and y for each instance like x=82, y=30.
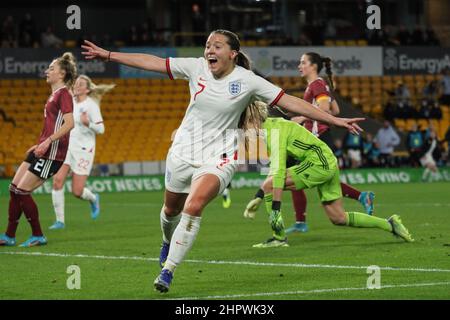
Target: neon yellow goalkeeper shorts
x=307, y=175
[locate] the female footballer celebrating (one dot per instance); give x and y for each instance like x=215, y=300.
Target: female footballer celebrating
x=203, y=155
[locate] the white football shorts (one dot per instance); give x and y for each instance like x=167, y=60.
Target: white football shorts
x=79, y=161
x=180, y=174
x=427, y=159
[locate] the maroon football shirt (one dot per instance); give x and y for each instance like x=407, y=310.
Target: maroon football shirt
x=59, y=103
x=314, y=92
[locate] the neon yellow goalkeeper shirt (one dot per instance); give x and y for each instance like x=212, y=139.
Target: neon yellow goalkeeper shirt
x=285, y=137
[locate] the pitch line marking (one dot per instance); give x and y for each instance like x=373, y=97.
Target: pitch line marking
x=222, y=262
x=298, y=292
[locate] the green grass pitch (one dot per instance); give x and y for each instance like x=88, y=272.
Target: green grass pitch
x=117, y=255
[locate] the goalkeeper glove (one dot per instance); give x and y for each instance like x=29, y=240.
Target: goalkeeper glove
x=252, y=207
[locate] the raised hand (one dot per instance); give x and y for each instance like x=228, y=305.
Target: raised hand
x=350, y=124
x=94, y=52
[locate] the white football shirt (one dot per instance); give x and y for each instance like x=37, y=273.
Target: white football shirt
x=208, y=131
x=83, y=137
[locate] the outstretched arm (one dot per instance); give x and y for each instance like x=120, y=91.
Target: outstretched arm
x=137, y=60
x=306, y=109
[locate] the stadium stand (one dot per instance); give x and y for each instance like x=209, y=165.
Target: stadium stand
x=142, y=114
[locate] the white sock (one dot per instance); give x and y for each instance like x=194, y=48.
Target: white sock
x=58, y=204
x=168, y=225
x=425, y=173
x=226, y=192
x=182, y=240
x=88, y=195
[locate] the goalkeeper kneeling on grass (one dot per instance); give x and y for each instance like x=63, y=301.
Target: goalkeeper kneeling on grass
x=318, y=168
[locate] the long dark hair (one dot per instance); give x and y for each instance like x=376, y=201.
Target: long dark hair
x=233, y=41
x=320, y=62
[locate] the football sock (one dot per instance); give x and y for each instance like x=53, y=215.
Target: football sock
x=168, y=225
x=58, y=204
x=350, y=192
x=268, y=202
x=182, y=240
x=225, y=193
x=30, y=210
x=14, y=212
x=362, y=220
x=88, y=195
x=299, y=201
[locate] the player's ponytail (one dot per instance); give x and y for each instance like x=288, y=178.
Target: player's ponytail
x=96, y=91
x=68, y=64
x=327, y=63
x=243, y=60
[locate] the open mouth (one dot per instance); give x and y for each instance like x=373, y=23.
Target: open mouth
x=212, y=61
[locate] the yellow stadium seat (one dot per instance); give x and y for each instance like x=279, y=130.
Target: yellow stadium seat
x=400, y=124
x=70, y=43
x=362, y=43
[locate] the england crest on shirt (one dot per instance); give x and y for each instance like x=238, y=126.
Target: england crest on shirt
x=234, y=88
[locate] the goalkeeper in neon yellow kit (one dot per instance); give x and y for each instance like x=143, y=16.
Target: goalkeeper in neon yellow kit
x=318, y=168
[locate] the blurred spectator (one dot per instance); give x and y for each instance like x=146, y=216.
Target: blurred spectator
x=133, y=37
x=353, y=144
x=414, y=144
x=390, y=111
x=198, y=24
x=405, y=111
x=371, y=152
x=418, y=37
x=402, y=93
x=436, y=112
x=387, y=139
x=50, y=40
x=404, y=36
x=445, y=83
x=425, y=109
x=430, y=91
x=303, y=40
x=377, y=38
x=390, y=39
x=431, y=38
x=146, y=35
x=27, y=32
x=428, y=130
x=339, y=153
x=8, y=33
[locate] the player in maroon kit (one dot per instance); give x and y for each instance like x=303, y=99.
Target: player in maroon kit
x=44, y=159
x=317, y=93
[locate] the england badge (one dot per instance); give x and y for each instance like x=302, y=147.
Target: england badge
x=234, y=87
